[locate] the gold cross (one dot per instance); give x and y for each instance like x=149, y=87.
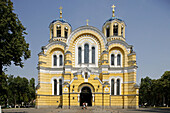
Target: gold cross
x=61, y=8
x=60, y=11
x=113, y=11
x=113, y=6
x=87, y=22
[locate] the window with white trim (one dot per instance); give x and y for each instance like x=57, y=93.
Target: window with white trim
x=112, y=59
x=55, y=60
x=112, y=86
x=60, y=87
x=61, y=60
x=55, y=87
x=93, y=55
x=118, y=59
x=115, y=29
x=86, y=53
x=79, y=55
x=118, y=86
x=58, y=31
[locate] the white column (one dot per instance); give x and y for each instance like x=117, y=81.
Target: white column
x=58, y=86
x=93, y=97
x=82, y=55
x=90, y=55
x=115, y=60
x=115, y=88
x=58, y=60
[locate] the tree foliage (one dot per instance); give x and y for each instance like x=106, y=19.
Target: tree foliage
x=18, y=90
x=13, y=47
x=155, y=92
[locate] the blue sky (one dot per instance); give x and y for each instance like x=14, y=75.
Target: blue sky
x=148, y=28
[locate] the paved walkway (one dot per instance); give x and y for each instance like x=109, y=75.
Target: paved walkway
x=90, y=110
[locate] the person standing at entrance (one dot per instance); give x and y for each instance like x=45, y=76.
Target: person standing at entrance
x=84, y=105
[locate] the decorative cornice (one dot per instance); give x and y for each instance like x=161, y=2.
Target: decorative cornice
x=50, y=69
x=120, y=42
x=84, y=28
x=104, y=61
x=133, y=53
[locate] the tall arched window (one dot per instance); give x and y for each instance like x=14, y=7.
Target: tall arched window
x=108, y=31
x=55, y=60
x=122, y=30
x=118, y=87
x=115, y=30
x=118, y=59
x=60, y=86
x=61, y=60
x=66, y=32
x=86, y=53
x=55, y=87
x=52, y=32
x=58, y=31
x=112, y=87
x=79, y=55
x=93, y=55
x=112, y=59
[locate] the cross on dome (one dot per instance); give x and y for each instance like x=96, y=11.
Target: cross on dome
x=113, y=11
x=87, y=22
x=61, y=11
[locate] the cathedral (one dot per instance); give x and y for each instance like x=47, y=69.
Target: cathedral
x=87, y=65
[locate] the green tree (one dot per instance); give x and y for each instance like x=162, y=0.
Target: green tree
x=145, y=91
x=32, y=90
x=165, y=79
x=13, y=47
x=3, y=90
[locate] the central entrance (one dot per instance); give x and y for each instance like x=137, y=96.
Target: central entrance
x=86, y=96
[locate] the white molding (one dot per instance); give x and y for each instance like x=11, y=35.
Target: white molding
x=115, y=53
x=81, y=41
x=57, y=53
x=52, y=82
x=50, y=72
x=41, y=82
x=115, y=81
x=128, y=82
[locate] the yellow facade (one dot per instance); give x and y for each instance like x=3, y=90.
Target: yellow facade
x=87, y=65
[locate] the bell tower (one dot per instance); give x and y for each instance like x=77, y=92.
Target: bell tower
x=60, y=29
x=114, y=28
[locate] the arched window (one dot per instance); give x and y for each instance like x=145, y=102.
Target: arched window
x=55, y=87
x=58, y=31
x=66, y=32
x=61, y=60
x=112, y=59
x=60, y=83
x=55, y=60
x=86, y=75
x=52, y=32
x=86, y=53
x=122, y=30
x=115, y=30
x=108, y=31
x=112, y=87
x=79, y=55
x=118, y=59
x=118, y=87
x=93, y=55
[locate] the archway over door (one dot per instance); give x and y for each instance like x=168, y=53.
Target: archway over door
x=86, y=96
